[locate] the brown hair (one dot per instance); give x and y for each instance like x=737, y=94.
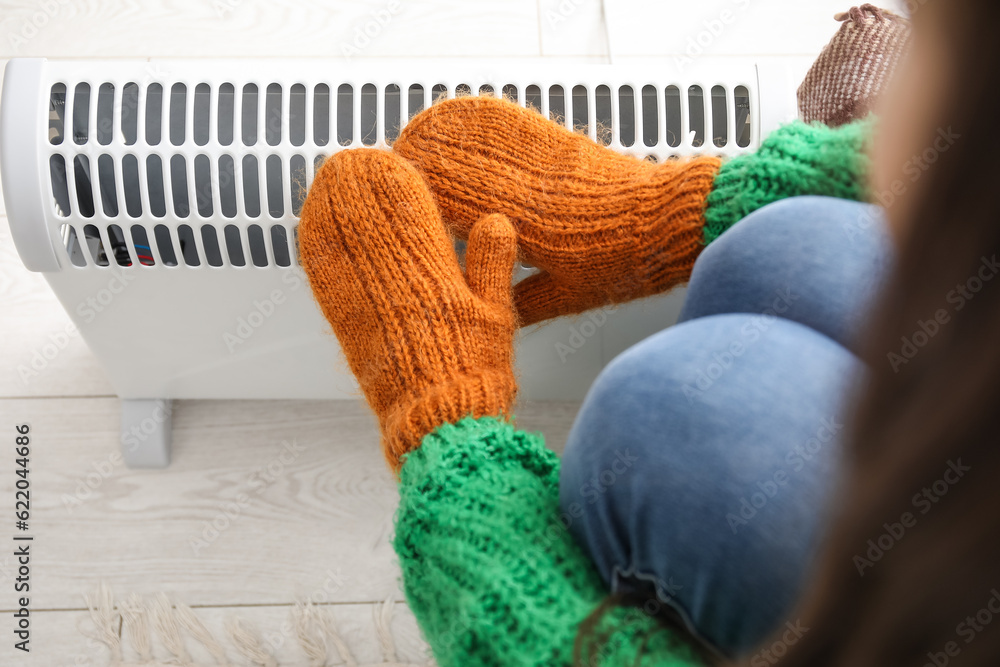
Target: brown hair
x=911, y=572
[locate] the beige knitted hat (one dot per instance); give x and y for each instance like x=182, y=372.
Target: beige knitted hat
x=845, y=81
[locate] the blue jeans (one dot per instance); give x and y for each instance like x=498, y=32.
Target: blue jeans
x=701, y=466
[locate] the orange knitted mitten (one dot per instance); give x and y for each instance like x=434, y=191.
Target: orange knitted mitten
x=603, y=227
x=428, y=345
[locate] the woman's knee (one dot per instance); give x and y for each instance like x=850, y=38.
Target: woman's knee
x=838, y=222
x=701, y=379
x=699, y=406
x=818, y=261
x=671, y=439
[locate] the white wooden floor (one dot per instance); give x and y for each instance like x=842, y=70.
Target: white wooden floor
x=297, y=493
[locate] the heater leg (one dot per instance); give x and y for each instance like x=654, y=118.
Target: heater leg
x=146, y=427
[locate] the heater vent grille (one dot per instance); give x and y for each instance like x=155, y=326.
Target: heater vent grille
x=168, y=174
x=119, y=110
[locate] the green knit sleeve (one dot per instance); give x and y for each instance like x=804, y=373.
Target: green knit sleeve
x=489, y=569
x=796, y=159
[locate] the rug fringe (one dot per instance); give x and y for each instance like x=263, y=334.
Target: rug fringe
x=383, y=618
x=135, y=626
x=139, y=623
x=107, y=622
x=190, y=622
x=169, y=630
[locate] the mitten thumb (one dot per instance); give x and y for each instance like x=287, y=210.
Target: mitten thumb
x=489, y=260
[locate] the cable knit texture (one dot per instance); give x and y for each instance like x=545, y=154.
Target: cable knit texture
x=427, y=344
x=603, y=227
x=796, y=159
x=490, y=571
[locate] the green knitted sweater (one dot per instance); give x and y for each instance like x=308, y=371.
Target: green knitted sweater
x=796, y=159
x=489, y=569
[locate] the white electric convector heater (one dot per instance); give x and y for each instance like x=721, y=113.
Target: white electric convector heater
x=159, y=198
